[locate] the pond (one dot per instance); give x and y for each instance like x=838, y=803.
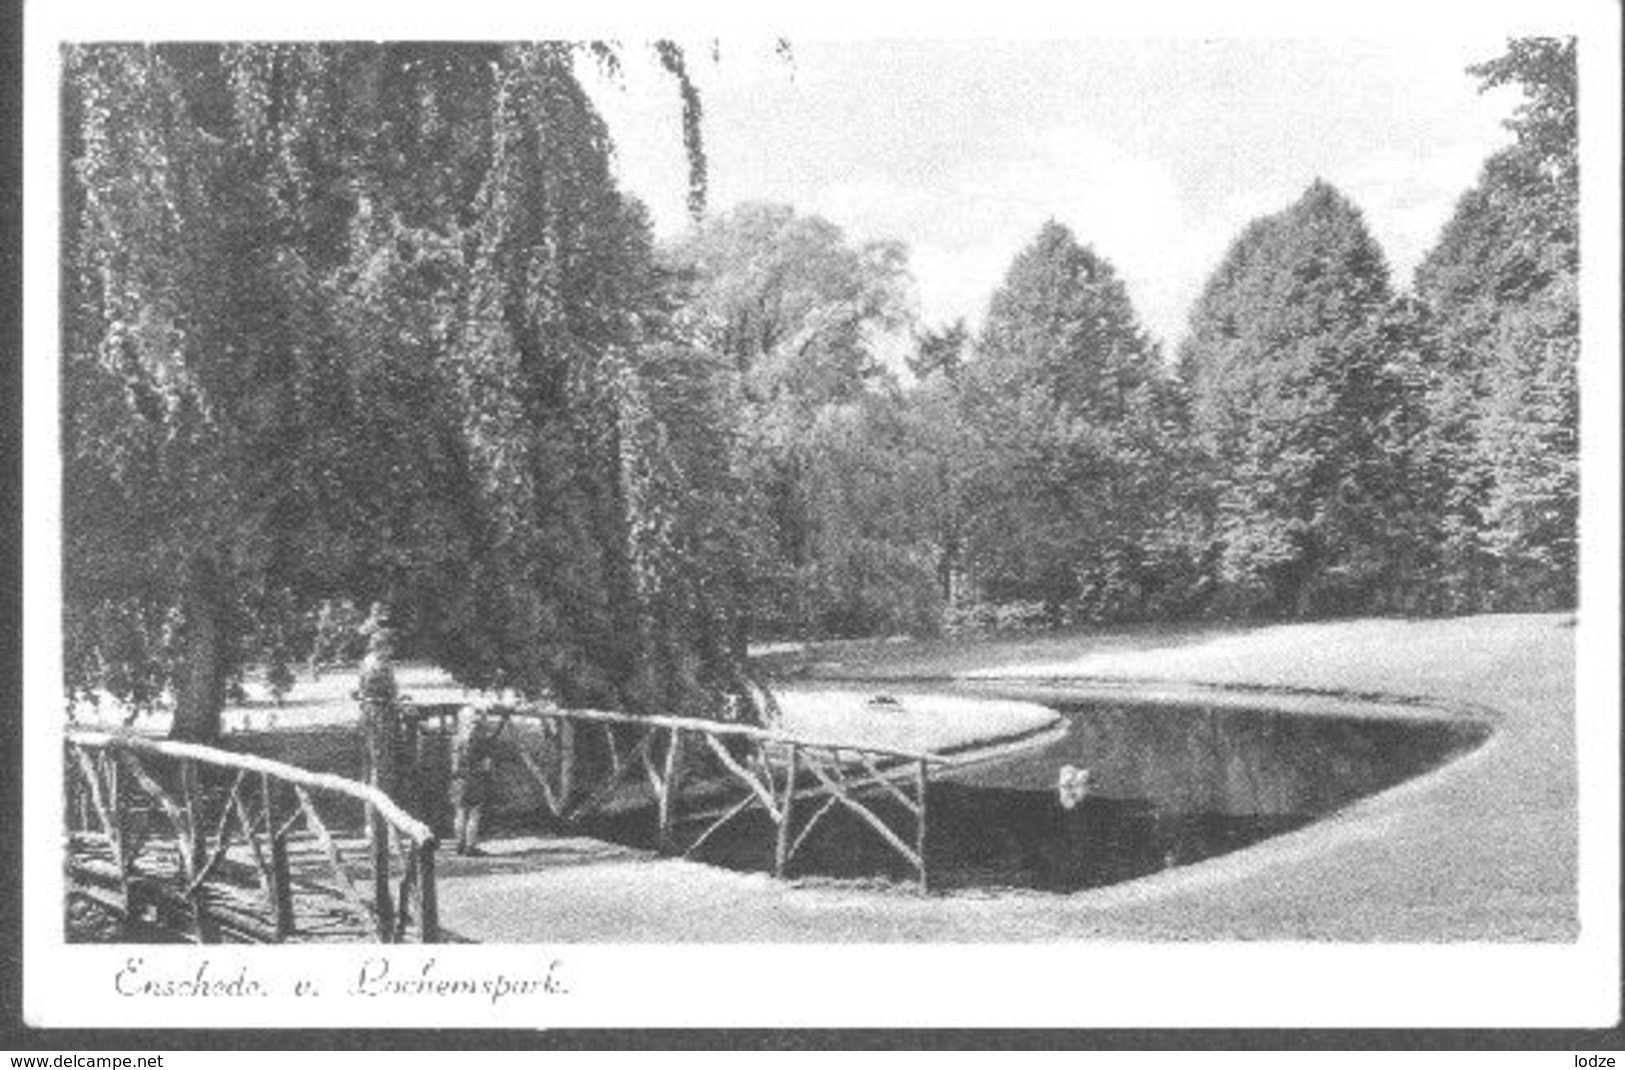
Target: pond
x=1166, y=786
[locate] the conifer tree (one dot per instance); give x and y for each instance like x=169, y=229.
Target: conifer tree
x=1293, y=385
x=1076, y=417
x=1502, y=286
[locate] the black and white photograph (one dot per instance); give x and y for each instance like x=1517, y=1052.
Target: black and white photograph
x=536, y=523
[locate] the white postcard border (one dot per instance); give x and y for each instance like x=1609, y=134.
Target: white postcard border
x=1087, y=983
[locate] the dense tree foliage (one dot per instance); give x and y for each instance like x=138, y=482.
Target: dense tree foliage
x=800, y=312
x=1293, y=392
x=374, y=321
x=346, y=323
x=1079, y=424
x=1407, y=454
x=1502, y=283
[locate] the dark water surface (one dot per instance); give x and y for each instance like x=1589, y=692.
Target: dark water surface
x=1167, y=786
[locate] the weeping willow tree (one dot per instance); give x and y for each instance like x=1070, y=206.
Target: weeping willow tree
x=373, y=321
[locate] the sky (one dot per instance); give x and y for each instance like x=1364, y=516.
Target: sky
x=1155, y=152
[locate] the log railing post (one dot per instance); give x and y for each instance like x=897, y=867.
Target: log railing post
x=194, y=844
x=668, y=789
x=428, y=902
x=79, y=798
x=382, y=904
x=194, y=841
x=120, y=833
x=922, y=781
x=781, y=848
x=612, y=743
x=281, y=889
x=567, y=763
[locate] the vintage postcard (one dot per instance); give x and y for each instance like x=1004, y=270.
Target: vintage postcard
x=913, y=517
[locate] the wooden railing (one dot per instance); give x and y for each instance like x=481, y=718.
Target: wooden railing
x=776, y=770
x=228, y=846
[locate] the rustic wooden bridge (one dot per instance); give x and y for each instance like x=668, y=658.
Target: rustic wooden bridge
x=212, y=845
x=703, y=774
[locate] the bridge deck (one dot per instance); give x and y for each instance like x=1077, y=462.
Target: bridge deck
x=321, y=913
x=236, y=902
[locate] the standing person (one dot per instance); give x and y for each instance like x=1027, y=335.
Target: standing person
x=471, y=767
x=321, y=644
x=380, y=701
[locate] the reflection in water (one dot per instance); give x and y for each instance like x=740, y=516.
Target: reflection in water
x=1166, y=786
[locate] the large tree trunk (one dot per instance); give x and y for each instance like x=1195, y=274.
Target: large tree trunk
x=200, y=693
